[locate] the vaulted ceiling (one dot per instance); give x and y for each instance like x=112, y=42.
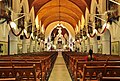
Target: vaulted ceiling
x=69, y=11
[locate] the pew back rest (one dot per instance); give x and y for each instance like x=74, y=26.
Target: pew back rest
x=109, y=79
x=92, y=72
x=25, y=73
x=112, y=71
x=6, y=72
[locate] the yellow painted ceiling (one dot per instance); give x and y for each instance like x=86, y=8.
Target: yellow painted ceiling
x=69, y=11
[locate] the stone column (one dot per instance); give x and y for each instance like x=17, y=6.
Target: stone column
x=106, y=47
x=43, y=45
x=13, y=44
x=39, y=47
x=80, y=48
x=83, y=46
x=106, y=39
x=36, y=45
x=31, y=45
x=95, y=45
x=88, y=45
x=24, y=46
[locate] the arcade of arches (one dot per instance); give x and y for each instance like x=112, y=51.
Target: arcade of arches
x=82, y=26
x=28, y=26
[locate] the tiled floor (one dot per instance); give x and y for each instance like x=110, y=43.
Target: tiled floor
x=60, y=72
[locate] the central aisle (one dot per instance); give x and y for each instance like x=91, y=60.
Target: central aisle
x=60, y=71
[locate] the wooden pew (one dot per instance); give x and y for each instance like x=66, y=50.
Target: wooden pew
x=109, y=79
x=39, y=66
x=27, y=73
x=112, y=73
x=107, y=72
x=80, y=65
x=7, y=74
x=77, y=67
x=15, y=73
x=43, y=64
x=75, y=63
x=92, y=72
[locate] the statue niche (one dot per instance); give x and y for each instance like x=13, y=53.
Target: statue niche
x=59, y=43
